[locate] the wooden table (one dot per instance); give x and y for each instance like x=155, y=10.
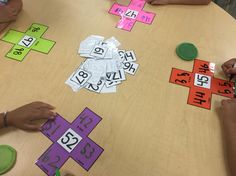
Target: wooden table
x=147, y=128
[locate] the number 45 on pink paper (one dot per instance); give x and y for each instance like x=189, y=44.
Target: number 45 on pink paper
x=131, y=13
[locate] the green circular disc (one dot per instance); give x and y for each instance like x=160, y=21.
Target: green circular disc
x=7, y=158
x=187, y=51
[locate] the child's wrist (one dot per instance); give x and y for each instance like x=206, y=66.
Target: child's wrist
x=9, y=119
x=4, y=121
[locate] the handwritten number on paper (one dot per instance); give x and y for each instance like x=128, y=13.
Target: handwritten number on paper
x=85, y=120
x=18, y=51
x=52, y=164
x=35, y=29
x=87, y=151
x=204, y=68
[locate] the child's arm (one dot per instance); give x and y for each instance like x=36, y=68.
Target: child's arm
x=189, y=2
x=24, y=117
x=228, y=115
x=10, y=11
x=3, y=26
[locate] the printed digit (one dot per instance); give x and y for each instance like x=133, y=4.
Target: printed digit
x=127, y=65
x=97, y=86
x=83, y=74
x=118, y=76
x=67, y=138
x=73, y=143
x=99, y=51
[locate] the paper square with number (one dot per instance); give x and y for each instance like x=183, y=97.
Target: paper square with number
x=202, y=81
x=131, y=14
x=130, y=67
x=69, y=140
x=116, y=76
x=129, y=56
x=99, y=51
x=96, y=88
x=80, y=77
x=27, y=41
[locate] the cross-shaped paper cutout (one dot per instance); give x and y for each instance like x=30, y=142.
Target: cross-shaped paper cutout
x=131, y=13
x=70, y=140
x=26, y=41
x=202, y=83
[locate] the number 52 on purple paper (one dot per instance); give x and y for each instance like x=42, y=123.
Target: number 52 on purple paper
x=70, y=140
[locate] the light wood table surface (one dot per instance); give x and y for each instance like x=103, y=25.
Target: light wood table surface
x=148, y=129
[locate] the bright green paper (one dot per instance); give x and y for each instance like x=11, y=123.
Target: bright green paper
x=13, y=36
x=43, y=45
x=36, y=30
x=18, y=53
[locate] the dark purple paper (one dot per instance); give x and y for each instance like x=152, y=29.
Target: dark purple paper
x=85, y=152
x=86, y=122
x=53, y=158
x=54, y=129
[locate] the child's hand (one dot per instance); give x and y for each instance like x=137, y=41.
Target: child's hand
x=10, y=11
x=228, y=113
x=23, y=117
x=228, y=67
x=154, y=2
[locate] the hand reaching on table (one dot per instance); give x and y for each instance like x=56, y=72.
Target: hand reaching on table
x=228, y=68
x=10, y=11
x=24, y=117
